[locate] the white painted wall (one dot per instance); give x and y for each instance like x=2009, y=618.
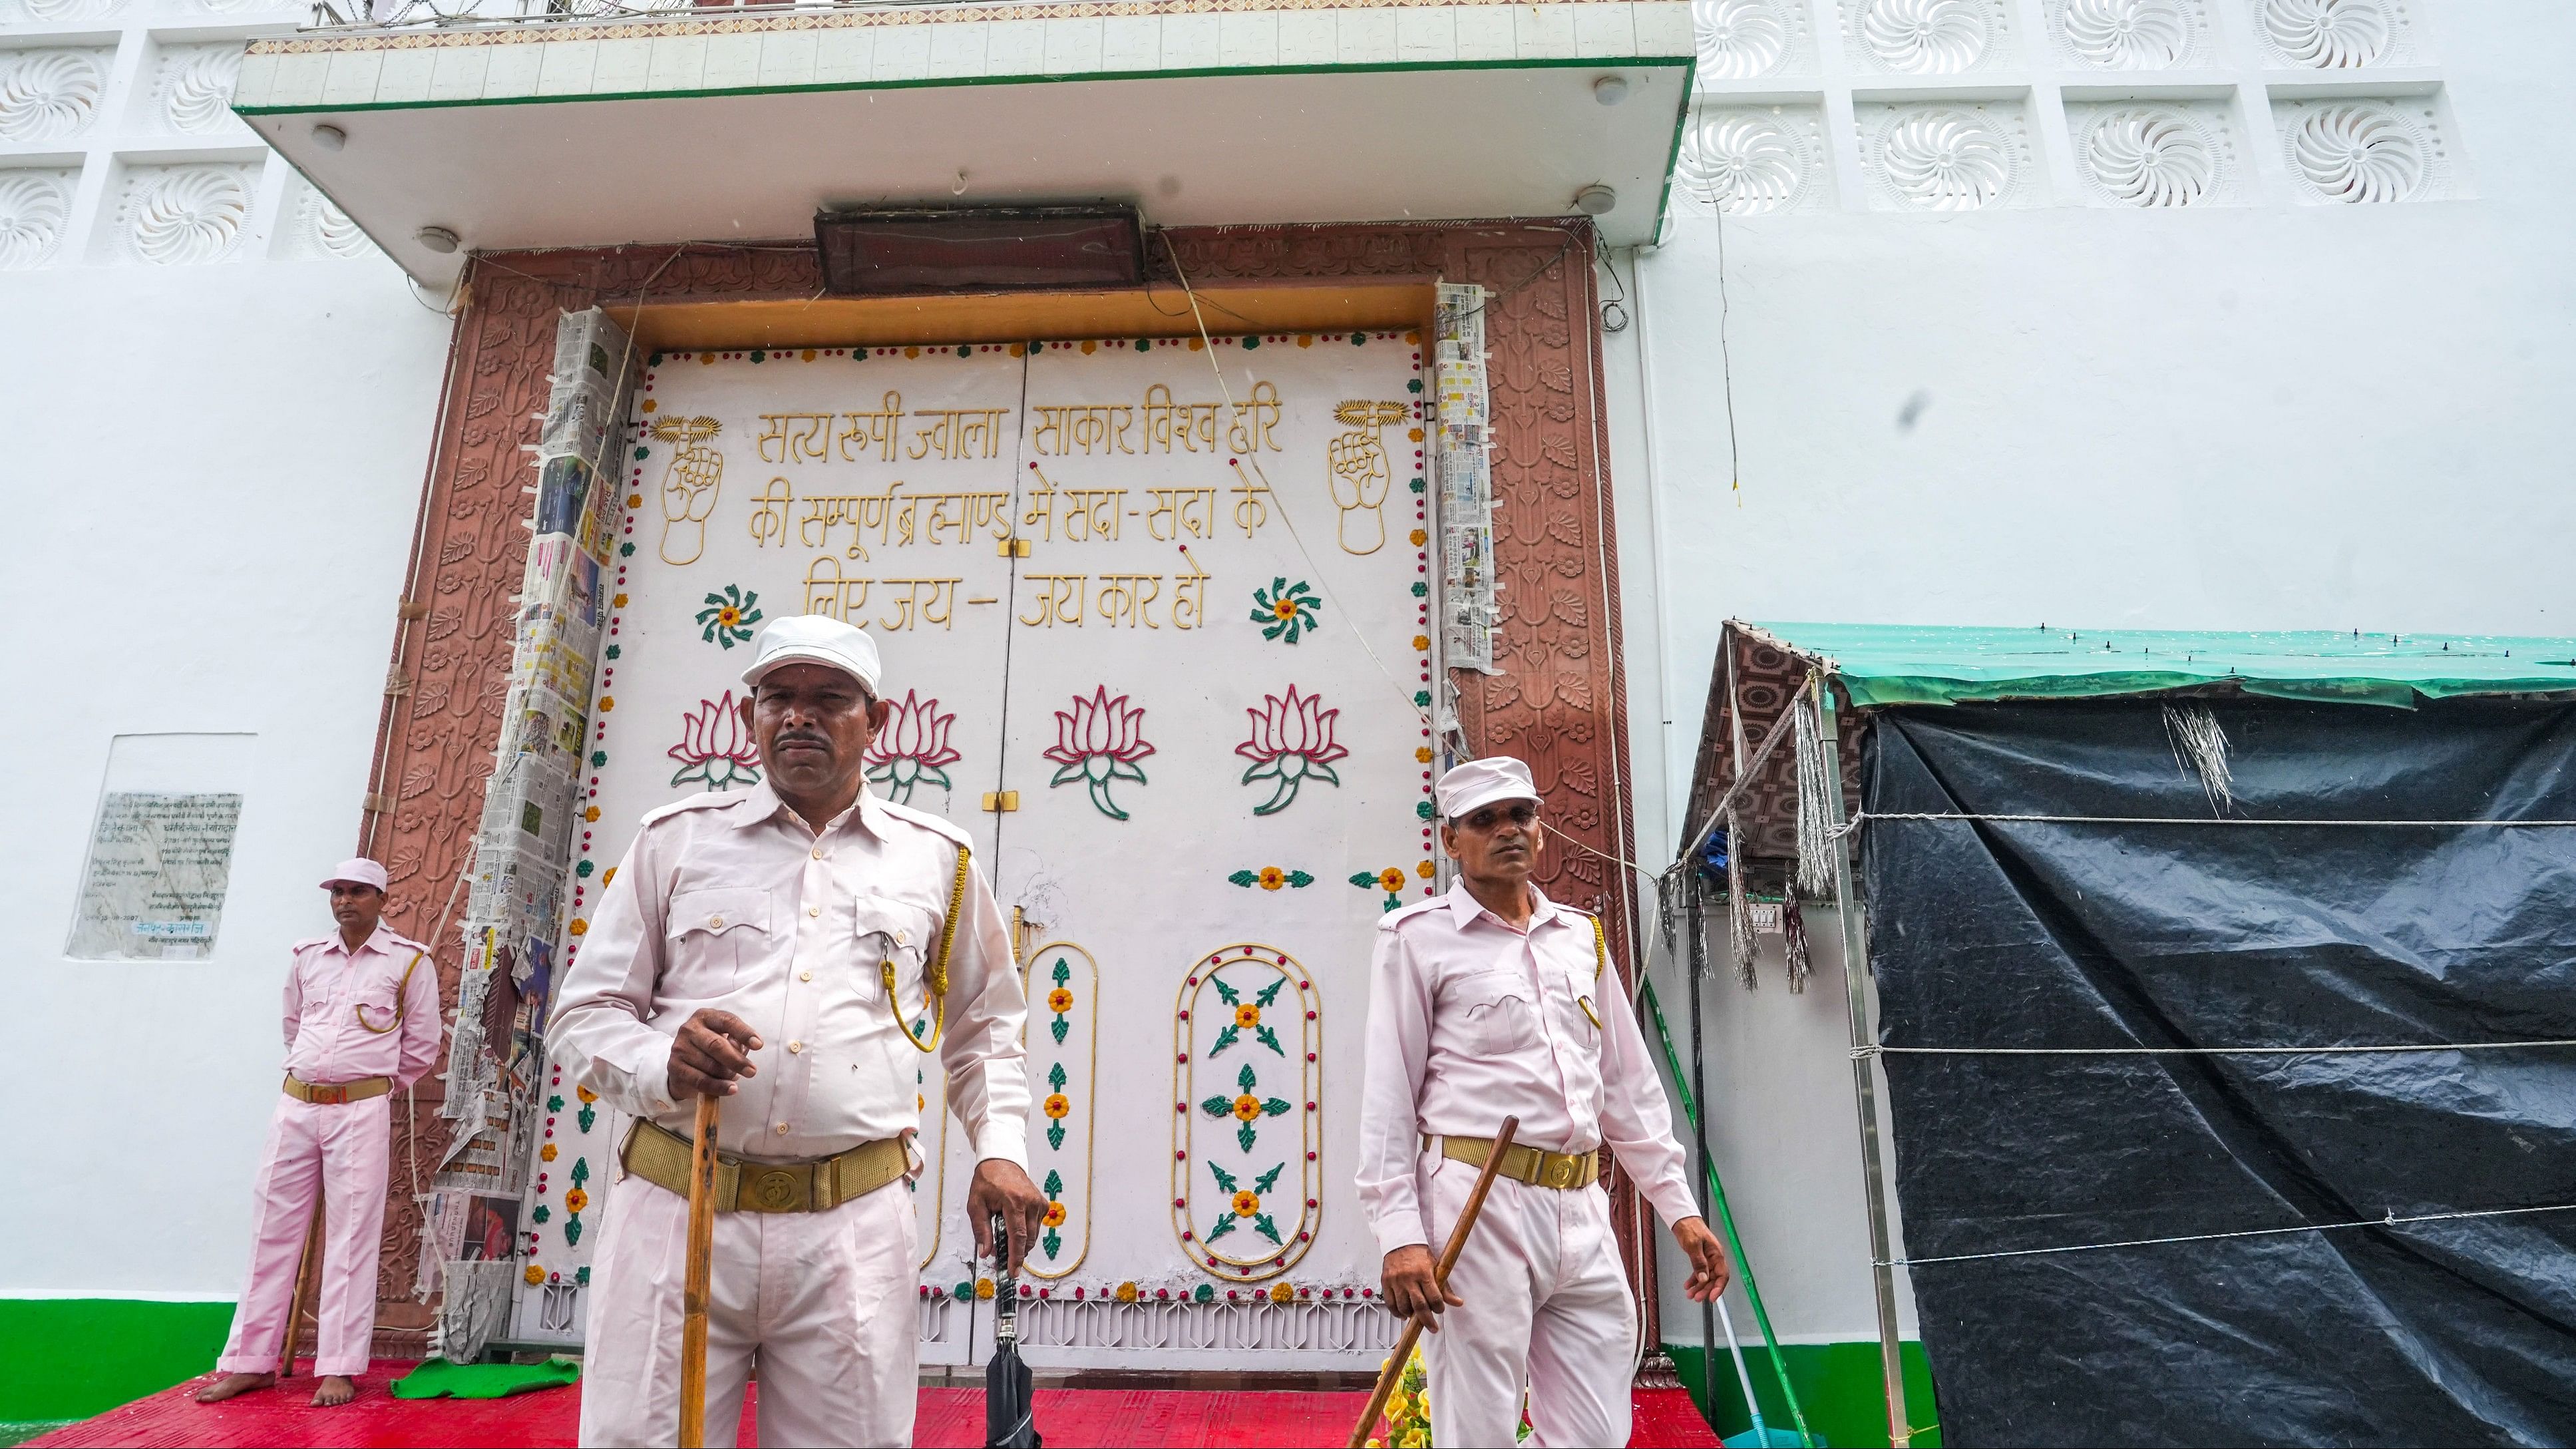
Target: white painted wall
x=212, y=478
x=2271, y=414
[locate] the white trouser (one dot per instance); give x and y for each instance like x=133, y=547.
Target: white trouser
x=824, y=1300
x=339, y=1151
x=1548, y=1305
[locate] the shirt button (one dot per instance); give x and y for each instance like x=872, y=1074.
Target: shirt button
x=903, y=938
x=821, y=854
x=813, y=910
x=794, y=1047
x=782, y=1129
x=716, y=921
x=804, y=975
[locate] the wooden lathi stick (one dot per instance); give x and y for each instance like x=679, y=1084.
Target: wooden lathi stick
x=1394, y=1370
x=306, y=1268
x=700, y=1272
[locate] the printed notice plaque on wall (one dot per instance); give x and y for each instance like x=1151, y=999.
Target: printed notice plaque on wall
x=158, y=866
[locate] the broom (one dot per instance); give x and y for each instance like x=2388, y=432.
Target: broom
x=1458, y=1232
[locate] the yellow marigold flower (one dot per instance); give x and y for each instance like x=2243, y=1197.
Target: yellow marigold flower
x=1420, y=538
x=1247, y=1204
x=1377, y=1444
x=579, y=927
x=1423, y=754
x=606, y=876
x=590, y=812
x=1421, y=644
x=535, y=1275
x=1247, y=1016
x=1426, y=870
x=546, y=1153
x=1390, y=880
x=1054, y=1215
x=1284, y=610
x=1282, y=1293
x=586, y=1094
x=575, y=1199
x=983, y=1287
x=1059, y=1001
x=1056, y=1106
x=1126, y=1292
x=1247, y=1107
x=1272, y=877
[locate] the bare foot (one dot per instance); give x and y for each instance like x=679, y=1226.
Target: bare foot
x=334, y=1392
x=231, y=1384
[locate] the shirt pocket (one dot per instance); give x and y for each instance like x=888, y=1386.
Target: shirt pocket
x=892, y=932
x=718, y=932
x=1497, y=1015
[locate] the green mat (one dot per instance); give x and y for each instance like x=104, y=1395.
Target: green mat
x=438, y=1379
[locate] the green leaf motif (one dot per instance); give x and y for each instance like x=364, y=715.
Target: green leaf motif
x=1055, y=1076
x=1228, y=994
x=580, y=1171
x=1243, y=1136
x=1062, y=973
x=1217, y=1106
x=1224, y=1225
x=572, y=1230
x=1244, y=878
x=1273, y=1107
x=1053, y=1242
x=1299, y=880
x=1054, y=1184
x=1058, y=1027
x=1224, y=1039
x=554, y=1103
x=1270, y=1039
x=1055, y=1136
x=1266, y=1228
x=1364, y=878
x=1245, y=1079
x=1270, y=993
x=1225, y=1181
x=1268, y=1180
x=585, y=1117
x=542, y=1215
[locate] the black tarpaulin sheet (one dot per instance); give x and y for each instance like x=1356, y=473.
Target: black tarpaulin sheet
x=2049, y=935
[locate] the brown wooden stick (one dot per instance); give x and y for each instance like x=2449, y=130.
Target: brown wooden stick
x=306, y=1268
x=1394, y=1370
x=701, y=1270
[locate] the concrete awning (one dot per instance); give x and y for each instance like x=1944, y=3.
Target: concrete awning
x=738, y=124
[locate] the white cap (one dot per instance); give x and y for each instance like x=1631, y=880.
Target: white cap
x=356, y=871
x=1477, y=783
x=815, y=639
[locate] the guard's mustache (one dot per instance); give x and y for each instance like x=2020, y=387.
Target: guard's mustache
x=803, y=737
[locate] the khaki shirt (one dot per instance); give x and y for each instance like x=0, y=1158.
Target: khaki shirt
x=731, y=901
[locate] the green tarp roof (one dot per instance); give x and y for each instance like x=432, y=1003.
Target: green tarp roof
x=1881, y=664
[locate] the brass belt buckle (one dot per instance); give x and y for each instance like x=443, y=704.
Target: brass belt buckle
x=336, y=1095
x=1561, y=1172
x=774, y=1190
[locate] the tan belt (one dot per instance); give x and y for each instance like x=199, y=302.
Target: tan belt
x=337, y=1094
x=661, y=1157
x=1565, y=1170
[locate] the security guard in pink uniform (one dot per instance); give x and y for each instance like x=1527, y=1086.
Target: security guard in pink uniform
x=361, y=1023
x=1495, y=1002
x=773, y=946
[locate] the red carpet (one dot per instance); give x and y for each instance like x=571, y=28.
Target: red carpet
x=1069, y=1418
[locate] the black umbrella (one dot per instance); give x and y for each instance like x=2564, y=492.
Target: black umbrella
x=1008, y=1421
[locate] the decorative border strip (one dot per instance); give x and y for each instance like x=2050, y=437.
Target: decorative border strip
x=535, y=30
x=1308, y=1062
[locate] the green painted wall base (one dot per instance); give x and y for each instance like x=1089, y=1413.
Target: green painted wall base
x=69, y=1358
x=1838, y=1385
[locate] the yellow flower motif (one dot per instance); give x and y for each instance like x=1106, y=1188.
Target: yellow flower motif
x=1421, y=643
x=1423, y=754
x=650, y=405
x=1390, y=880
x=1056, y=1105
x=1282, y=1293
x=1247, y=1204
x=546, y=1153
x=619, y=601
x=983, y=1287
x=606, y=876
x=1247, y=1108
x=920, y=1102
x=1126, y=1292
x=1054, y=1215
x=590, y=813
x=1272, y=877
x=586, y=1094
x=535, y=1275
x=1426, y=870
x=579, y=927
x=608, y=702
x=1059, y=1001
x=1420, y=538
x=1413, y=435
x=1284, y=611
x=806, y=356
x=1247, y=1016
x=728, y=617
x=575, y=1199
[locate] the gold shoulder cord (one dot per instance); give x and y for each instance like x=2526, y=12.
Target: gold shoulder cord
x=1600, y=963
x=936, y=978
x=402, y=992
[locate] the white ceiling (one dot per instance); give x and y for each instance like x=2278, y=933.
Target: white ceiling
x=1330, y=146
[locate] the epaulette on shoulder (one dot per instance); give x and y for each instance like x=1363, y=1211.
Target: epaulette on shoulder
x=1395, y=919
x=703, y=800
x=406, y=943
x=936, y=824
x=322, y=940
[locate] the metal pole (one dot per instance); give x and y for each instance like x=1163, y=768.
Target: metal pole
x=1699, y=1129
x=1864, y=1088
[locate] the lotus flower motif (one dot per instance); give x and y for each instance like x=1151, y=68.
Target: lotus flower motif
x=1292, y=742
x=1097, y=742
x=912, y=747
x=715, y=749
